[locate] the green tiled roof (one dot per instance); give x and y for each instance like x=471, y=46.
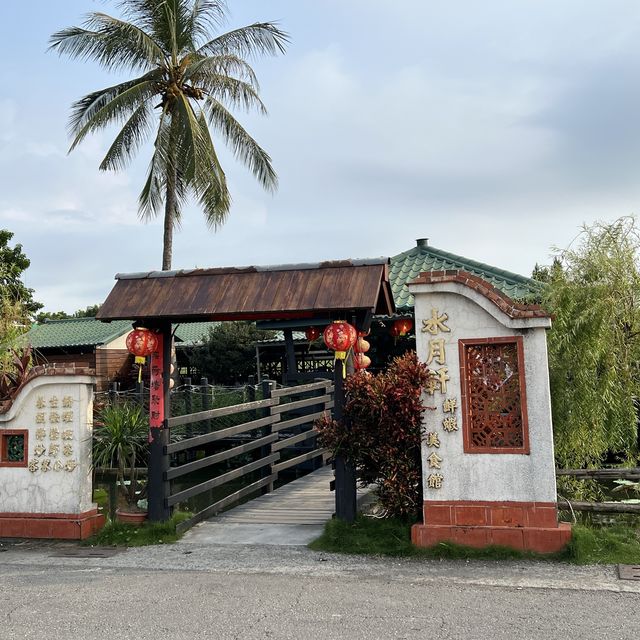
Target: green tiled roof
x=406, y=266
x=75, y=332
x=191, y=333
x=84, y=332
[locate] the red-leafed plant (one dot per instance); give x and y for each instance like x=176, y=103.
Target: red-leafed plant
x=381, y=432
x=15, y=374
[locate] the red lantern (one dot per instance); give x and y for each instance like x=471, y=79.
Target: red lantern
x=340, y=336
x=361, y=361
x=362, y=346
x=394, y=331
x=403, y=326
x=312, y=333
x=142, y=343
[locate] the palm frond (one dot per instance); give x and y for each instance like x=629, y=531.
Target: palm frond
x=206, y=14
x=260, y=38
x=113, y=43
x=128, y=141
x=152, y=195
x=243, y=146
x=226, y=64
x=118, y=109
x=232, y=92
x=213, y=194
x=84, y=109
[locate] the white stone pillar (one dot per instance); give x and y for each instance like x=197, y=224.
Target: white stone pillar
x=487, y=453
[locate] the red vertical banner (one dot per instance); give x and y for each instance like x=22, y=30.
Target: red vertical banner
x=156, y=398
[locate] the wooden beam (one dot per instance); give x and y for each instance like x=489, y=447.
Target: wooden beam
x=222, y=412
x=197, y=441
x=223, y=479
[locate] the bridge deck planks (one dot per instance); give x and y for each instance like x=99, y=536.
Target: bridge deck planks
x=307, y=500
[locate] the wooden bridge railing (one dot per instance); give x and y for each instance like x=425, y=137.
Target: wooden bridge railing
x=276, y=427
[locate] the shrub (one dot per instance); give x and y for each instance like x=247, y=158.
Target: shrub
x=120, y=440
x=381, y=432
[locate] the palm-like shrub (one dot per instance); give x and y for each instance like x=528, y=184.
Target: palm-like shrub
x=120, y=440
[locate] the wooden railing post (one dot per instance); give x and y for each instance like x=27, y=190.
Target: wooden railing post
x=206, y=400
x=268, y=387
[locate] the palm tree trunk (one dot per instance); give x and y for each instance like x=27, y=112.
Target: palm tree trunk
x=169, y=213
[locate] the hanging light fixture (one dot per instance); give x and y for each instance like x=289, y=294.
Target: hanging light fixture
x=312, y=334
x=361, y=361
x=402, y=326
x=339, y=337
x=141, y=343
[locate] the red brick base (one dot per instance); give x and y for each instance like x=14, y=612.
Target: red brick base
x=59, y=526
x=526, y=526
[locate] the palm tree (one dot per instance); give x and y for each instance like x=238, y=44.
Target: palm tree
x=187, y=81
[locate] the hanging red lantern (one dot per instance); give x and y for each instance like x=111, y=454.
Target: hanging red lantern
x=361, y=361
x=312, y=333
x=142, y=343
x=403, y=326
x=339, y=337
x=362, y=346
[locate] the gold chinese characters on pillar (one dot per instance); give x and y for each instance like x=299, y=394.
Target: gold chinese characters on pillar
x=436, y=326
x=54, y=446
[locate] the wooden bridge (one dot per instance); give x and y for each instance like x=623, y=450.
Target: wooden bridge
x=221, y=457
x=294, y=514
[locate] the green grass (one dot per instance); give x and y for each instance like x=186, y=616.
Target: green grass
x=116, y=534
x=390, y=537
x=614, y=544
x=101, y=498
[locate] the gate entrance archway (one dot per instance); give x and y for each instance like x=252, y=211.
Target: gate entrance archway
x=352, y=290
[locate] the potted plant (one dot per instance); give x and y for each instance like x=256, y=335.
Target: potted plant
x=120, y=441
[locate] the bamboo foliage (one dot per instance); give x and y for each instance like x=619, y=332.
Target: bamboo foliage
x=189, y=78
x=594, y=345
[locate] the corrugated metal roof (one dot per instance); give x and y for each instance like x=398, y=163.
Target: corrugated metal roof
x=75, y=332
x=252, y=293
x=406, y=266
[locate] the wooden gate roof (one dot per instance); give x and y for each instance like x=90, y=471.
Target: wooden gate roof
x=252, y=293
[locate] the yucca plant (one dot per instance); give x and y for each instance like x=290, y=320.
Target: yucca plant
x=16, y=364
x=188, y=80
x=120, y=440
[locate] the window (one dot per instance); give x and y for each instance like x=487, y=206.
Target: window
x=494, y=408
x=13, y=447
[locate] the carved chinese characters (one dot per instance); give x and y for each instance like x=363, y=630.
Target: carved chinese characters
x=156, y=399
x=435, y=326
x=54, y=447
x=446, y=408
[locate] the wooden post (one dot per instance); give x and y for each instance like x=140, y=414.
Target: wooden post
x=188, y=404
x=346, y=493
x=159, y=488
x=206, y=401
x=291, y=356
x=267, y=387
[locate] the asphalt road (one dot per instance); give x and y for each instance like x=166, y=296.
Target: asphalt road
x=247, y=592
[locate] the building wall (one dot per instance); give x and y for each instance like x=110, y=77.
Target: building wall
x=112, y=365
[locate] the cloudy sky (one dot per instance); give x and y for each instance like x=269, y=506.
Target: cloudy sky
x=494, y=128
